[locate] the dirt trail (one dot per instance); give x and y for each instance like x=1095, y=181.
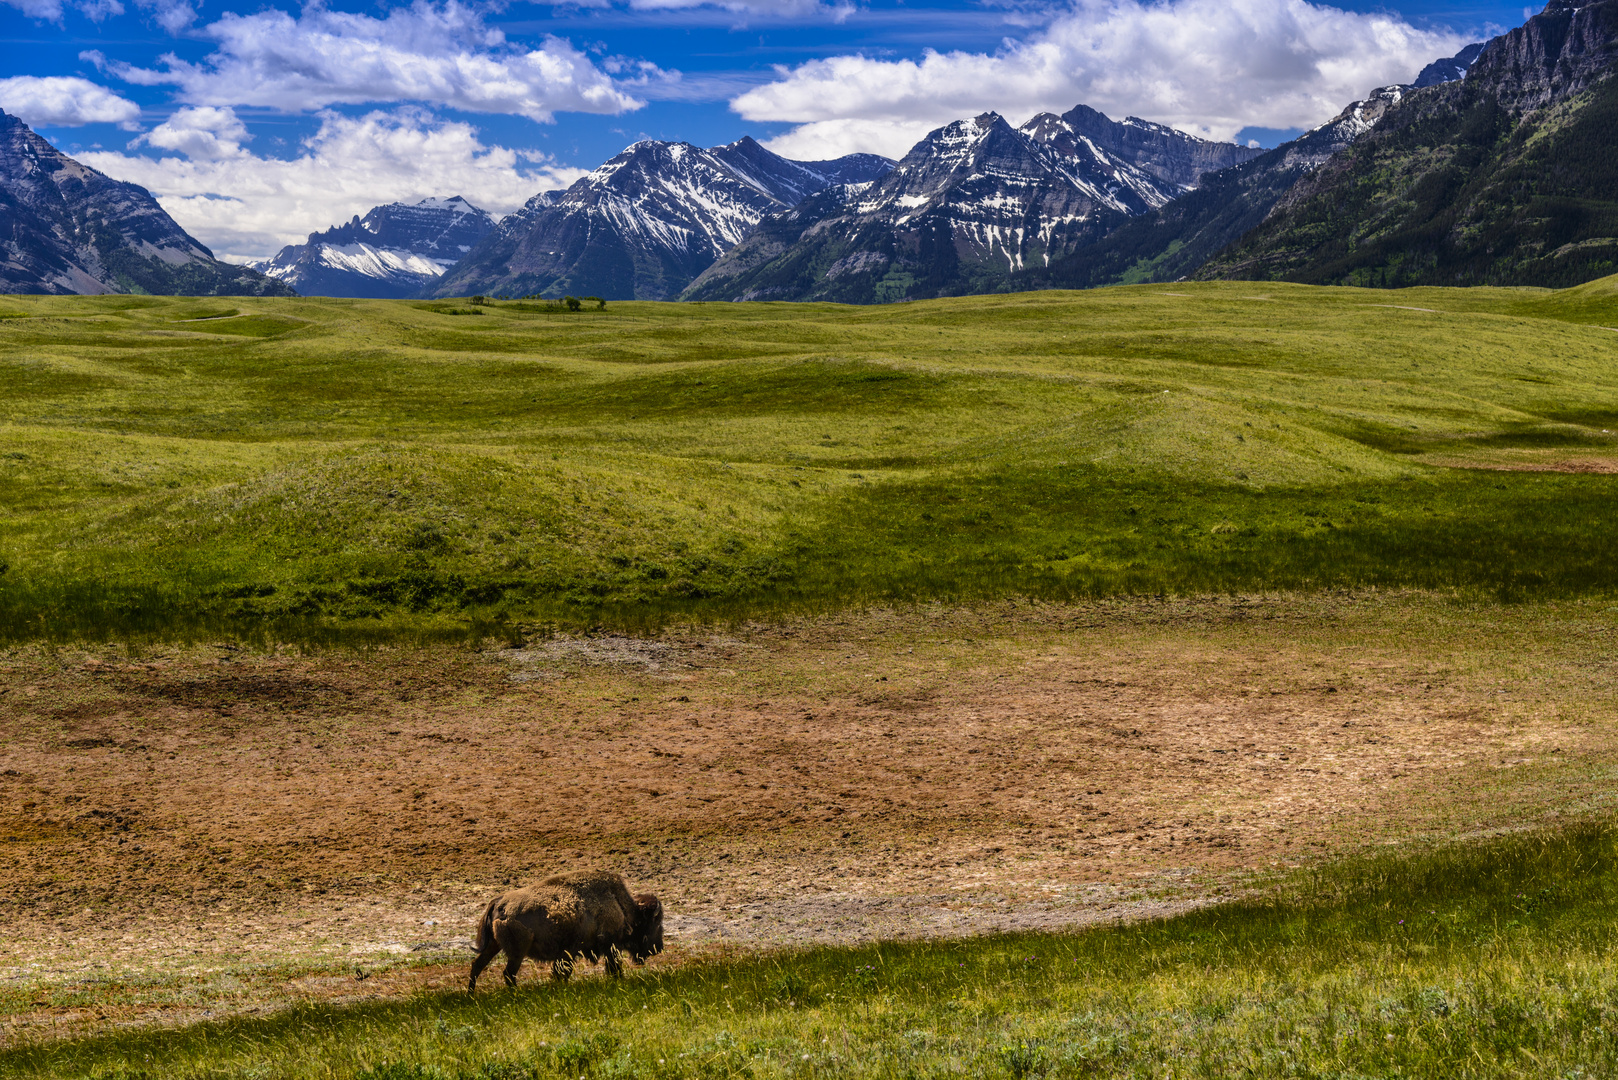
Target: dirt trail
x=189, y=832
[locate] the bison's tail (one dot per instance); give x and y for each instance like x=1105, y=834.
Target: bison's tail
x=485, y=930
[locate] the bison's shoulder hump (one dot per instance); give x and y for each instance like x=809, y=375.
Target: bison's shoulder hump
x=591, y=880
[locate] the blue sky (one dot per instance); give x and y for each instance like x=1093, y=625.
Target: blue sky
x=255, y=123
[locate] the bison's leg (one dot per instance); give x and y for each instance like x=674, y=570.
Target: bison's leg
x=516, y=940
x=562, y=970
x=485, y=957
x=615, y=962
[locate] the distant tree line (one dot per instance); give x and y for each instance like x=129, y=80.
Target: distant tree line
x=571, y=303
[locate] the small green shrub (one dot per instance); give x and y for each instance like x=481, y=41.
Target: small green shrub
x=861, y=980
x=1023, y=1059
x=788, y=988
x=400, y=1070
x=578, y=1053
x=498, y=1070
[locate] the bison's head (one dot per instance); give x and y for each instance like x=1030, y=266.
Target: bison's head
x=646, y=939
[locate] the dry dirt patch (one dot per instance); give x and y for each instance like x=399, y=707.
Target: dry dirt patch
x=1528, y=460
x=287, y=823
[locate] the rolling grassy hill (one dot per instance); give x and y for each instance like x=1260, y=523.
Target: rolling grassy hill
x=174, y=467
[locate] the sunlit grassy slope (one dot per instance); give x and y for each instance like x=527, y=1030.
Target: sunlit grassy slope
x=172, y=466
x=1480, y=960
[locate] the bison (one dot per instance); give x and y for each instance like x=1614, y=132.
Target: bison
x=589, y=914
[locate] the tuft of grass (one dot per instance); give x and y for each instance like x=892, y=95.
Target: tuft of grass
x=322, y=470
x=1486, y=958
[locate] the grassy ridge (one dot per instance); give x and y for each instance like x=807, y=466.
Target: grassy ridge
x=1478, y=960
x=175, y=467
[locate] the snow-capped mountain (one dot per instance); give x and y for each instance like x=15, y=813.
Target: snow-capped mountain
x=986, y=172
x=1169, y=156
x=972, y=204
x=66, y=228
x=644, y=224
x=393, y=251
x=1451, y=68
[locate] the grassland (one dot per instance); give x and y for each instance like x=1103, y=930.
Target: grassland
x=298, y=468
x=1023, y=611
x=1484, y=960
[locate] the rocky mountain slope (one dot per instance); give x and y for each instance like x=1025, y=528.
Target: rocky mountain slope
x=1160, y=151
x=395, y=250
x=1174, y=240
x=1450, y=68
x=1508, y=177
x=969, y=208
x=646, y=223
x=66, y=228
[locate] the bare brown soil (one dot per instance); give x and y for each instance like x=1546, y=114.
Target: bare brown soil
x=1516, y=460
x=184, y=832
x=1586, y=465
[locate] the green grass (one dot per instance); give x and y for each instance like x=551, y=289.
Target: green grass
x=1482, y=959
x=176, y=468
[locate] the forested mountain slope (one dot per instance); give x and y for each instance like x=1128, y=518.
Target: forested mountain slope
x=1509, y=177
x=1174, y=240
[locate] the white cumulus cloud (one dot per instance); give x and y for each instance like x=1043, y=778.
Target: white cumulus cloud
x=202, y=133
x=245, y=205
x=64, y=101
x=51, y=10
x=39, y=9
x=436, y=54
x=172, y=15
x=1211, y=67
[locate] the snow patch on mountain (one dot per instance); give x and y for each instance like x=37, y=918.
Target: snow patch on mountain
x=648, y=221
x=395, y=250
x=971, y=205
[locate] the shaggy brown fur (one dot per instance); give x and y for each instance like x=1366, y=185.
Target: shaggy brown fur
x=589, y=914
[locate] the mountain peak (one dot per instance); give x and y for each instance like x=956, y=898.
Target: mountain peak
x=72, y=229
x=958, y=137
x=972, y=204
x=1558, y=53
x=980, y=125
x=1166, y=154
x=393, y=251
x=646, y=223
x=454, y=203
x=1449, y=69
